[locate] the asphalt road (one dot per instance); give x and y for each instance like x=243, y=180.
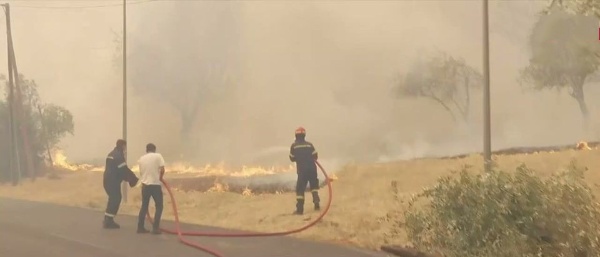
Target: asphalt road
x=31, y=229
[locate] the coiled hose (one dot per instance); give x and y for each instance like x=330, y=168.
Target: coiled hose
x=181, y=234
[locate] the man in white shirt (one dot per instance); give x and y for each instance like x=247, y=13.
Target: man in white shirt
x=152, y=170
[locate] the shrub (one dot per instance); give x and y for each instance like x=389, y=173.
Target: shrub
x=502, y=214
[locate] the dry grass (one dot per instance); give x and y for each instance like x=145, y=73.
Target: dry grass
x=363, y=196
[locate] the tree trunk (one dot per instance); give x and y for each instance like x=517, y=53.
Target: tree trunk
x=467, y=111
x=439, y=101
x=185, y=135
x=185, y=131
x=579, y=95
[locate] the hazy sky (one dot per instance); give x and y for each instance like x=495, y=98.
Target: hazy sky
x=327, y=66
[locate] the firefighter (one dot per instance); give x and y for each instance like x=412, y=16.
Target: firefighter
x=303, y=153
x=116, y=171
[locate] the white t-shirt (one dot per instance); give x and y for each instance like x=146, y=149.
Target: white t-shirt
x=150, y=165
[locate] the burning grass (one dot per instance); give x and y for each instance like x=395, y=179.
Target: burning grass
x=212, y=178
x=181, y=168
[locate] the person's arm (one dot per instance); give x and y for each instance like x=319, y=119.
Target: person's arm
x=124, y=171
x=119, y=160
x=315, y=154
x=292, y=157
x=162, y=167
x=108, y=163
x=122, y=168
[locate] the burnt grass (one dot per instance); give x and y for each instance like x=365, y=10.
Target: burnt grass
x=260, y=184
x=285, y=182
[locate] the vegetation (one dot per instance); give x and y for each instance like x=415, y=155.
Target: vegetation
x=564, y=55
x=184, y=95
x=44, y=124
x=583, y=7
x=187, y=83
x=506, y=214
x=446, y=80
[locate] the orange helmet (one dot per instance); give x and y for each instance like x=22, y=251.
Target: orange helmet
x=300, y=131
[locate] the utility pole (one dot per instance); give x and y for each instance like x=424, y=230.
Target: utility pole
x=18, y=108
x=124, y=184
x=14, y=164
x=487, y=134
x=15, y=160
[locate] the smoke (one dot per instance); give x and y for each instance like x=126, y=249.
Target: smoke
x=259, y=69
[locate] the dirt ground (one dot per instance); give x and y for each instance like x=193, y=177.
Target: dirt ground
x=362, y=196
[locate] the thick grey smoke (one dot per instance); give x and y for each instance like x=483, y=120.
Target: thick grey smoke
x=260, y=69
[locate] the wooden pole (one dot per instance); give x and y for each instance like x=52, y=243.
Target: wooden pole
x=14, y=151
x=18, y=106
x=487, y=134
x=124, y=184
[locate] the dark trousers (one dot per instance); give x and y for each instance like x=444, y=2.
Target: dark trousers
x=308, y=177
x=113, y=190
x=154, y=191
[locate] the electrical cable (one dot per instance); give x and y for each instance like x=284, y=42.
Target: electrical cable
x=81, y=6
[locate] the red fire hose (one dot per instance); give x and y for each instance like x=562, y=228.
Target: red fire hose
x=180, y=234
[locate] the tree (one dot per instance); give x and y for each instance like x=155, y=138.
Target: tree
x=45, y=125
x=55, y=123
x=444, y=79
x=583, y=7
x=186, y=60
x=563, y=55
x=183, y=89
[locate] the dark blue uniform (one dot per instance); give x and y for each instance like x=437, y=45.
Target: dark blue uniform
x=304, y=154
x=115, y=172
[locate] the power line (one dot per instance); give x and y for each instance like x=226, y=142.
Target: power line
x=285, y=0
x=77, y=7
x=147, y=1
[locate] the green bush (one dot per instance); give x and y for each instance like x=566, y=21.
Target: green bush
x=502, y=214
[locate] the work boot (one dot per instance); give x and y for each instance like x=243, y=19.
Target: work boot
x=299, y=207
x=109, y=223
x=142, y=230
x=316, y=200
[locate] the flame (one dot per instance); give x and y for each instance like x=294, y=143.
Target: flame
x=247, y=192
x=222, y=170
x=218, y=187
x=332, y=177
x=582, y=145
x=60, y=161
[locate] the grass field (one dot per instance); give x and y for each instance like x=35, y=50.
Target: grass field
x=363, y=196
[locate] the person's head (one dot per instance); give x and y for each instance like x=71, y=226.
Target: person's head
x=121, y=145
x=300, y=133
x=150, y=148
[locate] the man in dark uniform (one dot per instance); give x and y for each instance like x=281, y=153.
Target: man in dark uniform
x=115, y=172
x=303, y=153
